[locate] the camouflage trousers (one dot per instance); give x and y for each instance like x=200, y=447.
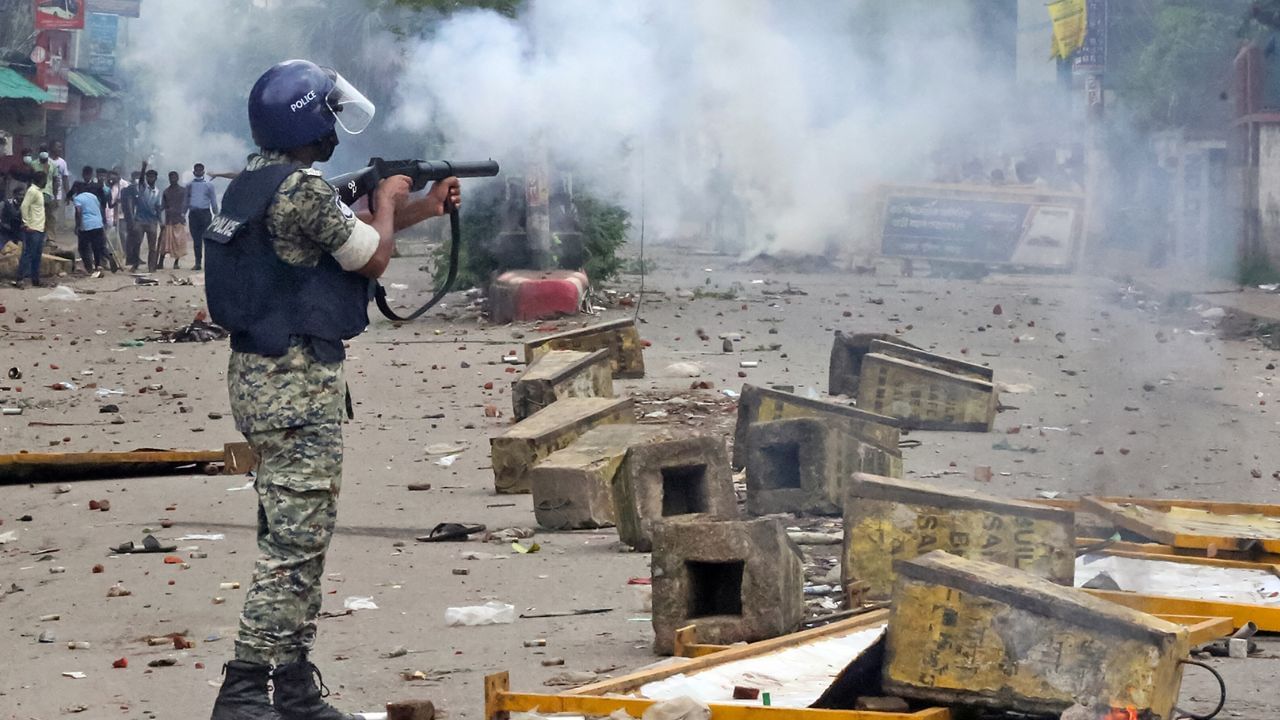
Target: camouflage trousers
x=299, y=476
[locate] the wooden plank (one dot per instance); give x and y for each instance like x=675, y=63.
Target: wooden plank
x=1266, y=618
x=620, y=338
x=1158, y=549
x=1234, y=526
x=888, y=519
x=46, y=467
x=633, y=681
x=589, y=705
x=1201, y=630
x=976, y=633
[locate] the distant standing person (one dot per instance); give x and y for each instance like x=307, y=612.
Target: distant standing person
x=32, y=231
x=89, y=227
x=61, y=180
x=130, y=226
x=174, y=236
x=202, y=204
x=11, y=217
x=147, y=214
x=49, y=171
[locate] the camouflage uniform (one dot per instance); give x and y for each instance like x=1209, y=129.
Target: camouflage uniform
x=290, y=409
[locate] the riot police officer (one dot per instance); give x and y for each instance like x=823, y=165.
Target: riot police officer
x=290, y=271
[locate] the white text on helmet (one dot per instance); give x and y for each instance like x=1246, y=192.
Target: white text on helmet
x=303, y=101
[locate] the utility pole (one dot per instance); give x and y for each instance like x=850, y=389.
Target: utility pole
x=1091, y=61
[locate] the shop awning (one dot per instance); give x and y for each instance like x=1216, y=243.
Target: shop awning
x=88, y=85
x=14, y=86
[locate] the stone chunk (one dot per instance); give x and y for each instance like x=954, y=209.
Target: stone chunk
x=799, y=466
x=664, y=478
x=560, y=374
x=886, y=520
x=968, y=632
x=516, y=451
x=573, y=487
x=619, y=337
x=736, y=580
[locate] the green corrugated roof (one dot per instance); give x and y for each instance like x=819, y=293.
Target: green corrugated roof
x=13, y=85
x=88, y=85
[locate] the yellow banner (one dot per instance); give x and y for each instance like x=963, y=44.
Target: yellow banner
x=1070, y=22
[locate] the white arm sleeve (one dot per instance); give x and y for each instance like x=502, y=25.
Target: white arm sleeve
x=359, y=247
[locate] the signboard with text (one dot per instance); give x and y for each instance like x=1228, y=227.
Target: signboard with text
x=123, y=8
x=101, y=31
x=59, y=14
x=1092, y=55
x=1024, y=227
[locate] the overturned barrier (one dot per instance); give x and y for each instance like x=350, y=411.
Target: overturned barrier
x=757, y=405
x=847, y=350
x=620, y=338
x=560, y=374
x=669, y=477
x=887, y=520
x=967, y=632
x=800, y=465
x=926, y=391
x=739, y=580
x=554, y=428
x=573, y=488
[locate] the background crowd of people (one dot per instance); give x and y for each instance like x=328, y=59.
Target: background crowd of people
x=112, y=216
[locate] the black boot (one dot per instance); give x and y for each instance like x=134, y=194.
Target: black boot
x=300, y=691
x=244, y=693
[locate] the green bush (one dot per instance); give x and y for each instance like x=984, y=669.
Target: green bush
x=604, y=229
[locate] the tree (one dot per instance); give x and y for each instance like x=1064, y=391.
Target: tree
x=1170, y=60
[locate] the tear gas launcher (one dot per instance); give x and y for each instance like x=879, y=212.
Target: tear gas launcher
x=354, y=185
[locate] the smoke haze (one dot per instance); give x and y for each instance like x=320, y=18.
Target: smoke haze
x=760, y=123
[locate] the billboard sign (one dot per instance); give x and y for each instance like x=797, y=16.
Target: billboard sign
x=1023, y=227
x=59, y=14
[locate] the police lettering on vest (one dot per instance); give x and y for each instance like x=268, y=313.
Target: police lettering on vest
x=264, y=301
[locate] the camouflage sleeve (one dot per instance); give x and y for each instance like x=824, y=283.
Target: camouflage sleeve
x=316, y=213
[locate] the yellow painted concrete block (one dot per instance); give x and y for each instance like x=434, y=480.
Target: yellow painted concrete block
x=968, y=632
x=619, y=337
x=554, y=428
x=886, y=520
x=560, y=374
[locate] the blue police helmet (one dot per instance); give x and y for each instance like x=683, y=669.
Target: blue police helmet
x=297, y=102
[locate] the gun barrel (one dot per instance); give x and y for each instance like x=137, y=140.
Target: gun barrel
x=440, y=169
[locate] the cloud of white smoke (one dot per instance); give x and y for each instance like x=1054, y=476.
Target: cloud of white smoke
x=765, y=120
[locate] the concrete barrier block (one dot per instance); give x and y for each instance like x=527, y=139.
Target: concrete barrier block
x=619, y=337
x=561, y=374
x=887, y=520
x=764, y=405
x=737, y=580
x=519, y=295
x=573, y=487
x=516, y=451
x=661, y=479
x=927, y=391
x=968, y=632
x=847, y=351
x=800, y=466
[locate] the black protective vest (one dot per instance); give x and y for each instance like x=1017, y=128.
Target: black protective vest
x=264, y=301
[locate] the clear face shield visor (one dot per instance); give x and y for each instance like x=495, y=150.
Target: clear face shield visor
x=350, y=107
